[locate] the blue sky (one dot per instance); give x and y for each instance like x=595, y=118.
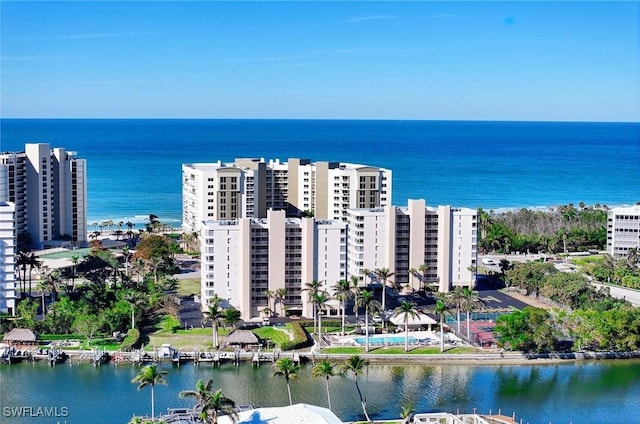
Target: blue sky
x=557, y=61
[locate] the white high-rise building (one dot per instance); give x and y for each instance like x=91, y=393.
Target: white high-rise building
x=623, y=230
x=7, y=258
x=247, y=188
x=243, y=259
x=49, y=190
x=440, y=244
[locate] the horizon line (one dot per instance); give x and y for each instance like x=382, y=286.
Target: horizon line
x=318, y=119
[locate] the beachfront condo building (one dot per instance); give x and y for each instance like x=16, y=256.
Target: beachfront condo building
x=623, y=230
x=49, y=190
x=7, y=258
x=247, y=260
x=421, y=245
x=248, y=188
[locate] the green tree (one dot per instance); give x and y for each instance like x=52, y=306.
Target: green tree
x=150, y=375
x=455, y=297
x=87, y=325
x=289, y=370
x=136, y=300
x=271, y=295
x=356, y=365
x=214, y=314
x=442, y=310
x=343, y=292
x=312, y=288
x=469, y=301
x=366, y=300
x=384, y=274
x=406, y=412
x=49, y=284
x=27, y=310
x=210, y=404
x=320, y=302
x=231, y=316
x=407, y=311
x=528, y=330
x=326, y=370
x=280, y=295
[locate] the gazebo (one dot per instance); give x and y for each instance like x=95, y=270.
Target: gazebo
x=420, y=320
x=242, y=338
x=21, y=337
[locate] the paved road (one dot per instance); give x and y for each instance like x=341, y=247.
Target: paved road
x=631, y=295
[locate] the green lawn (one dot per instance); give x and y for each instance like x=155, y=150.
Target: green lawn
x=343, y=350
x=189, y=287
x=276, y=336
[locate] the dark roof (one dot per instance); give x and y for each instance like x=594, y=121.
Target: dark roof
x=21, y=335
x=242, y=337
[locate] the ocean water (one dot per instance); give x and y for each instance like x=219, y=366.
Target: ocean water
x=134, y=166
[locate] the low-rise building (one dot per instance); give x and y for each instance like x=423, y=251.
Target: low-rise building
x=623, y=230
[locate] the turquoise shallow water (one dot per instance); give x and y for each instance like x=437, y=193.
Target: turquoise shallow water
x=579, y=393
x=135, y=165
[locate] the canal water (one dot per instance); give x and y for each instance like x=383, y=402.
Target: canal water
x=582, y=392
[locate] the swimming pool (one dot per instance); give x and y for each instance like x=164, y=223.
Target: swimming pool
x=385, y=339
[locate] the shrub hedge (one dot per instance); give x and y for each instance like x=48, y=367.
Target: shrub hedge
x=301, y=338
x=132, y=341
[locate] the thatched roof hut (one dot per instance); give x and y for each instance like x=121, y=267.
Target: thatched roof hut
x=21, y=336
x=242, y=338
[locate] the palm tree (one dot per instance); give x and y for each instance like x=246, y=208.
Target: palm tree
x=135, y=299
x=366, y=272
x=48, y=284
x=355, y=364
x=355, y=288
x=211, y=404
x=126, y=253
x=413, y=273
x=343, y=292
x=456, y=297
x=406, y=412
x=442, y=310
x=32, y=262
x=312, y=288
x=270, y=295
x=324, y=369
x=280, y=294
x=470, y=299
x=423, y=275
x=214, y=313
x=150, y=376
x=320, y=302
x=231, y=316
x=22, y=261
x=406, y=310
x=75, y=259
x=287, y=368
x=154, y=264
x=384, y=274
x=370, y=305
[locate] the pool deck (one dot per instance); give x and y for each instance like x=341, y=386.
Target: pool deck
x=422, y=338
